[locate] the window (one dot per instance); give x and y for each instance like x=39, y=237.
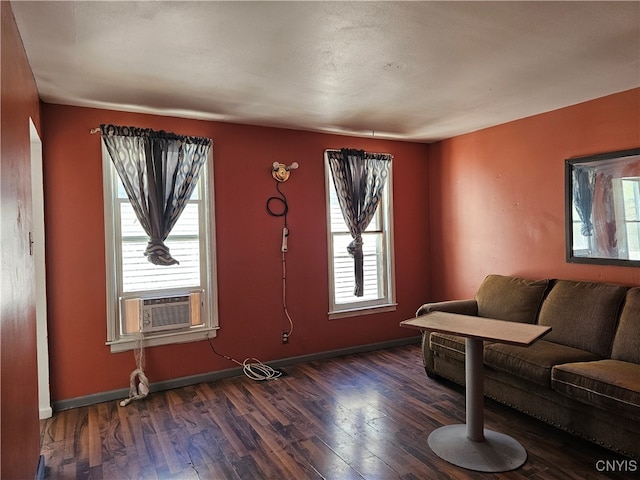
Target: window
x=630, y=189
x=624, y=214
x=132, y=279
x=378, y=257
x=582, y=244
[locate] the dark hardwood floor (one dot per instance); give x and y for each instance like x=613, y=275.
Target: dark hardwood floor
x=364, y=416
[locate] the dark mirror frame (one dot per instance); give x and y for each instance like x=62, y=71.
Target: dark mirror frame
x=602, y=208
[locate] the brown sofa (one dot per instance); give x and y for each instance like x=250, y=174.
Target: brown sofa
x=583, y=376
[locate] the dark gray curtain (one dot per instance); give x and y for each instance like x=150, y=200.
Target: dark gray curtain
x=605, y=232
x=159, y=171
x=583, y=190
x=359, y=178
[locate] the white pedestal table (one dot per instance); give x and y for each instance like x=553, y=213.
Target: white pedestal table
x=470, y=445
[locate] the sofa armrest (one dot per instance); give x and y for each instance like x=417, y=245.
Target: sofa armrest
x=463, y=307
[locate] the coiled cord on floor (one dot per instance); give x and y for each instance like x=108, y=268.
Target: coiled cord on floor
x=252, y=367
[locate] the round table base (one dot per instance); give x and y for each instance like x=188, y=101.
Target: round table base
x=496, y=453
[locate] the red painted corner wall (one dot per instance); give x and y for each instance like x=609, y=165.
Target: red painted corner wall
x=248, y=249
x=497, y=195
x=20, y=434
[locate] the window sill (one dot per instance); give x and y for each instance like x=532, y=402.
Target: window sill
x=127, y=344
x=359, y=311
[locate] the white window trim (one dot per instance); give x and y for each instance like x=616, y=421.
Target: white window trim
x=386, y=304
x=210, y=303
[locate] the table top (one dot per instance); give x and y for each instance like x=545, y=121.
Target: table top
x=502, y=331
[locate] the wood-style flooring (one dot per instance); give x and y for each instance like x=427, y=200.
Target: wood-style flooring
x=364, y=416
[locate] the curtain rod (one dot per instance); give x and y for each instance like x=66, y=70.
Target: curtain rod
x=374, y=153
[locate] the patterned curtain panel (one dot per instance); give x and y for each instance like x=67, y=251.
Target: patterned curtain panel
x=359, y=178
x=159, y=171
x=583, y=189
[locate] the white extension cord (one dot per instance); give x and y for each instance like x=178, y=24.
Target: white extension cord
x=252, y=367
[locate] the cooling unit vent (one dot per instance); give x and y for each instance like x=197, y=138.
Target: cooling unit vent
x=161, y=313
x=165, y=313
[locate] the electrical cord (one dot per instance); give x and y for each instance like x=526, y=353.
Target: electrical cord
x=283, y=200
x=284, y=294
x=283, y=213
x=252, y=367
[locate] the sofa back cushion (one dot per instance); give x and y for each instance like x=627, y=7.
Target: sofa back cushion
x=626, y=343
x=510, y=298
x=583, y=314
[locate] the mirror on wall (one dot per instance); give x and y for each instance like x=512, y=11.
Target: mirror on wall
x=602, y=205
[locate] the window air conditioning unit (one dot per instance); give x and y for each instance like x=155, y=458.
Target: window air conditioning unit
x=157, y=314
x=167, y=313
x=161, y=313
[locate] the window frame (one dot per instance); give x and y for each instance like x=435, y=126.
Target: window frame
x=387, y=302
x=621, y=202
x=113, y=264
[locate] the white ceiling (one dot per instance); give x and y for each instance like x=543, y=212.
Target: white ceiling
x=420, y=71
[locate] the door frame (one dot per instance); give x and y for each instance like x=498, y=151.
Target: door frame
x=38, y=239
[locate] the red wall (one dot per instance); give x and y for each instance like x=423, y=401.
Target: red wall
x=19, y=442
x=497, y=195
x=248, y=249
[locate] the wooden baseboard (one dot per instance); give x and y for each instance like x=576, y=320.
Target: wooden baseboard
x=123, y=393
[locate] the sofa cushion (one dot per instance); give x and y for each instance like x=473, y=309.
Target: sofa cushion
x=582, y=314
x=447, y=345
x=535, y=362
x=626, y=343
x=510, y=298
x=610, y=384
